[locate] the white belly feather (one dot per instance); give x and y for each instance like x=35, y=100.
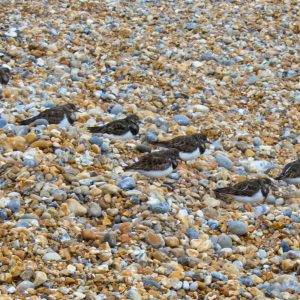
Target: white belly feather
x=250, y=199
x=157, y=173
x=189, y=155
x=64, y=122
x=293, y=180
x=127, y=136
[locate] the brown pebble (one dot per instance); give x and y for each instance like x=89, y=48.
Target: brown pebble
x=88, y=235
x=155, y=240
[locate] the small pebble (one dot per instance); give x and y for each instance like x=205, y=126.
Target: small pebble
x=181, y=120
x=225, y=241
x=223, y=161
x=96, y=140
x=160, y=207
x=52, y=256
x=127, y=183
x=237, y=227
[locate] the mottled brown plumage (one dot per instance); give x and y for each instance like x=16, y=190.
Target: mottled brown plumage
x=249, y=190
x=185, y=143
x=55, y=115
x=119, y=127
x=291, y=172
x=156, y=164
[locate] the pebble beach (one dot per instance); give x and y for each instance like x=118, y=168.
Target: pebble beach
x=74, y=224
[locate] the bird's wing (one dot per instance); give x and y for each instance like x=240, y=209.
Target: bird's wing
x=291, y=170
x=151, y=163
x=244, y=188
x=117, y=127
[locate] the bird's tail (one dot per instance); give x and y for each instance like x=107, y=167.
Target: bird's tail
x=95, y=129
x=127, y=168
x=27, y=121
x=221, y=191
x=157, y=143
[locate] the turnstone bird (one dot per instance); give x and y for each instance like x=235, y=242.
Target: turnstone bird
x=248, y=191
x=123, y=129
x=156, y=164
x=189, y=146
x=291, y=173
x=64, y=115
x=4, y=75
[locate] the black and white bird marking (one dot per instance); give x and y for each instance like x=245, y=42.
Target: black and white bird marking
x=189, y=146
x=291, y=173
x=4, y=75
x=156, y=164
x=123, y=129
x=248, y=191
x=63, y=115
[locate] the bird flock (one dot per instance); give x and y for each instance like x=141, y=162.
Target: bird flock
x=163, y=162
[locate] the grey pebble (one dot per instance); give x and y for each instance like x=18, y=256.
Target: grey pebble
x=181, y=120
x=261, y=210
x=151, y=283
x=217, y=145
x=225, y=241
x=22, y=224
x=3, y=215
x=105, y=146
x=110, y=238
x=219, y=276
x=30, y=163
x=22, y=130
x=52, y=256
x=14, y=205
x=223, y=161
x=194, y=286
x=94, y=210
x=96, y=140
x=270, y=199
x=127, y=183
x=192, y=233
x=262, y=254
x=257, y=141
x=133, y=294
x=151, y=136
x=24, y=285
x=59, y=195
x=160, y=207
x=237, y=227
x=3, y=123
x=117, y=109
x=174, y=176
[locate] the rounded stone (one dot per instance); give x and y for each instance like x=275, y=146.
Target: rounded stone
x=127, y=183
x=95, y=140
x=181, y=120
x=3, y=123
x=94, y=210
x=160, y=207
x=192, y=233
x=225, y=241
x=14, y=205
x=117, y=109
x=223, y=161
x=237, y=227
x=52, y=256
